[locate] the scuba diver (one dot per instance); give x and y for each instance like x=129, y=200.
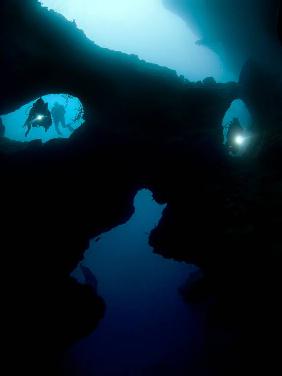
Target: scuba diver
x=58, y=115
x=2, y=128
x=235, y=136
x=39, y=116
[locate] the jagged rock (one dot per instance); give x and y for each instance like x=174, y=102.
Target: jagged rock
x=144, y=127
x=236, y=30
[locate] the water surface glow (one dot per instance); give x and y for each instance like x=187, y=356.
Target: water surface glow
x=144, y=28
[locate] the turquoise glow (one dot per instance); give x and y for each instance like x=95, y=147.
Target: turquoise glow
x=237, y=109
x=144, y=28
x=14, y=121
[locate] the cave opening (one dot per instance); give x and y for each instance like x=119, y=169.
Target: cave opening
x=147, y=29
x=59, y=116
x=239, y=117
x=138, y=334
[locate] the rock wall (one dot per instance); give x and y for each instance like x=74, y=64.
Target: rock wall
x=145, y=127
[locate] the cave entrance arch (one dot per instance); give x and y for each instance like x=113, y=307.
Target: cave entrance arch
x=239, y=110
x=72, y=118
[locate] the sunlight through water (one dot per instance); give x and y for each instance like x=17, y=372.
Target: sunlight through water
x=144, y=28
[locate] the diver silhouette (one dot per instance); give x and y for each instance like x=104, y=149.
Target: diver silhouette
x=2, y=128
x=39, y=116
x=234, y=136
x=58, y=115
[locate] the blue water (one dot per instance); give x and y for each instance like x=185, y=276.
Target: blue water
x=239, y=109
x=15, y=120
x=147, y=29
x=147, y=327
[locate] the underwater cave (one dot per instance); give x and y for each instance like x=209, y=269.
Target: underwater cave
x=138, y=286
x=135, y=245
x=64, y=111
x=238, y=112
x=156, y=34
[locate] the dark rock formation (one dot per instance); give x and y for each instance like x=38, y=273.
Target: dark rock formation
x=2, y=129
x=262, y=93
x=89, y=277
x=280, y=21
x=237, y=30
x=144, y=127
x=195, y=289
